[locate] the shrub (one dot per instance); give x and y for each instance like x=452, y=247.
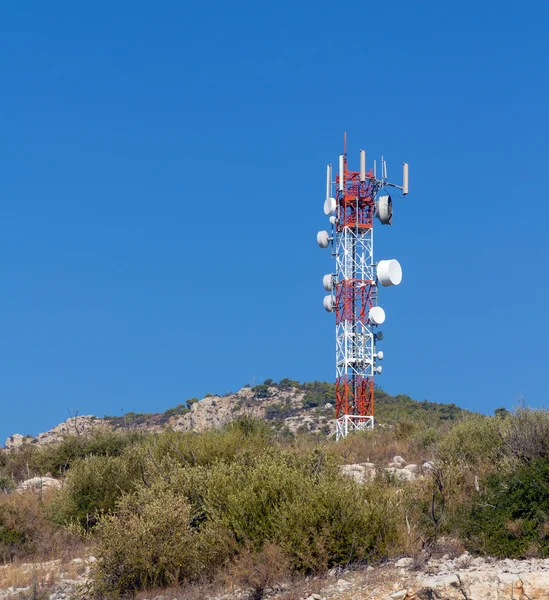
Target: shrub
x=287, y=384
x=259, y=570
x=179, y=410
x=256, y=499
x=242, y=436
x=279, y=411
x=511, y=517
x=299, y=502
x=526, y=435
x=25, y=529
x=93, y=486
x=58, y=458
x=318, y=393
x=474, y=441
x=261, y=391
x=190, y=402
x=151, y=542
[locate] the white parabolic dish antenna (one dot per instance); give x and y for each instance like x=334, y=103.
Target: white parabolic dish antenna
x=376, y=315
x=329, y=303
x=329, y=206
x=389, y=272
x=328, y=282
x=384, y=210
x=323, y=239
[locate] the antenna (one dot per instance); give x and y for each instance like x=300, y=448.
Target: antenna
x=353, y=287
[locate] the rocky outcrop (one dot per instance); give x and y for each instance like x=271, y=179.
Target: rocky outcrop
x=485, y=579
x=77, y=425
x=212, y=412
x=14, y=441
x=462, y=578
x=397, y=467
x=38, y=484
x=215, y=411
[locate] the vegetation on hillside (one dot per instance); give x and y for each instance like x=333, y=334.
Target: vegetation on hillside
x=171, y=508
x=316, y=395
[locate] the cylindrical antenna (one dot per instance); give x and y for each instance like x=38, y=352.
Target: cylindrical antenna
x=384, y=172
x=375, y=169
x=404, y=178
x=341, y=172
x=328, y=181
x=363, y=165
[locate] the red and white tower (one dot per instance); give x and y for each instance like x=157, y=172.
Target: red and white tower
x=353, y=287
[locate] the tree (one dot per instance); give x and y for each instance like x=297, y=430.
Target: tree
x=190, y=402
x=502, y=413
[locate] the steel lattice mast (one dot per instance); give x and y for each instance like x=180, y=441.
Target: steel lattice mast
x=354, y=285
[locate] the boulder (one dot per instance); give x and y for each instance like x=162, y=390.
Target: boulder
x=402, y=474
x=14, y=441
x=413, y=468
x=37, y=484
x=404, y=563
x=399, y=460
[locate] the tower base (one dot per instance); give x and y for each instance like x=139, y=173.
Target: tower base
x=348, y=423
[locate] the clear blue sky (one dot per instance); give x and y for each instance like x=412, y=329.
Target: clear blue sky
x=162, y=180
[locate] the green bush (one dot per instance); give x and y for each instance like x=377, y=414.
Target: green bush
x=261, y=391
x=195, y=515
x=287, y=384
x=93, y=486
x=151, y=542
x=278, y=412
x=296, y=500
x=526, y=435
x=190, y=402
x=179, y=410
x=510, y=518
x=243, y=436
x=58, y=458
x=472, y=442
x=317, y=393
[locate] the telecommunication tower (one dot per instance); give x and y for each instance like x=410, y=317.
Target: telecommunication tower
x=353, y=287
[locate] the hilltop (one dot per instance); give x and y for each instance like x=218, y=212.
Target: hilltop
x=288, y=406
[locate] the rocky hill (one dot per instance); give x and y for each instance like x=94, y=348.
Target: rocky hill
x=288, y=406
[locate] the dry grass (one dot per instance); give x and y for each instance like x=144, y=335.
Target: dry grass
x=38, y=580
x=258, y=571
x=29, y=534
x=380, y=446
x=18, y=576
